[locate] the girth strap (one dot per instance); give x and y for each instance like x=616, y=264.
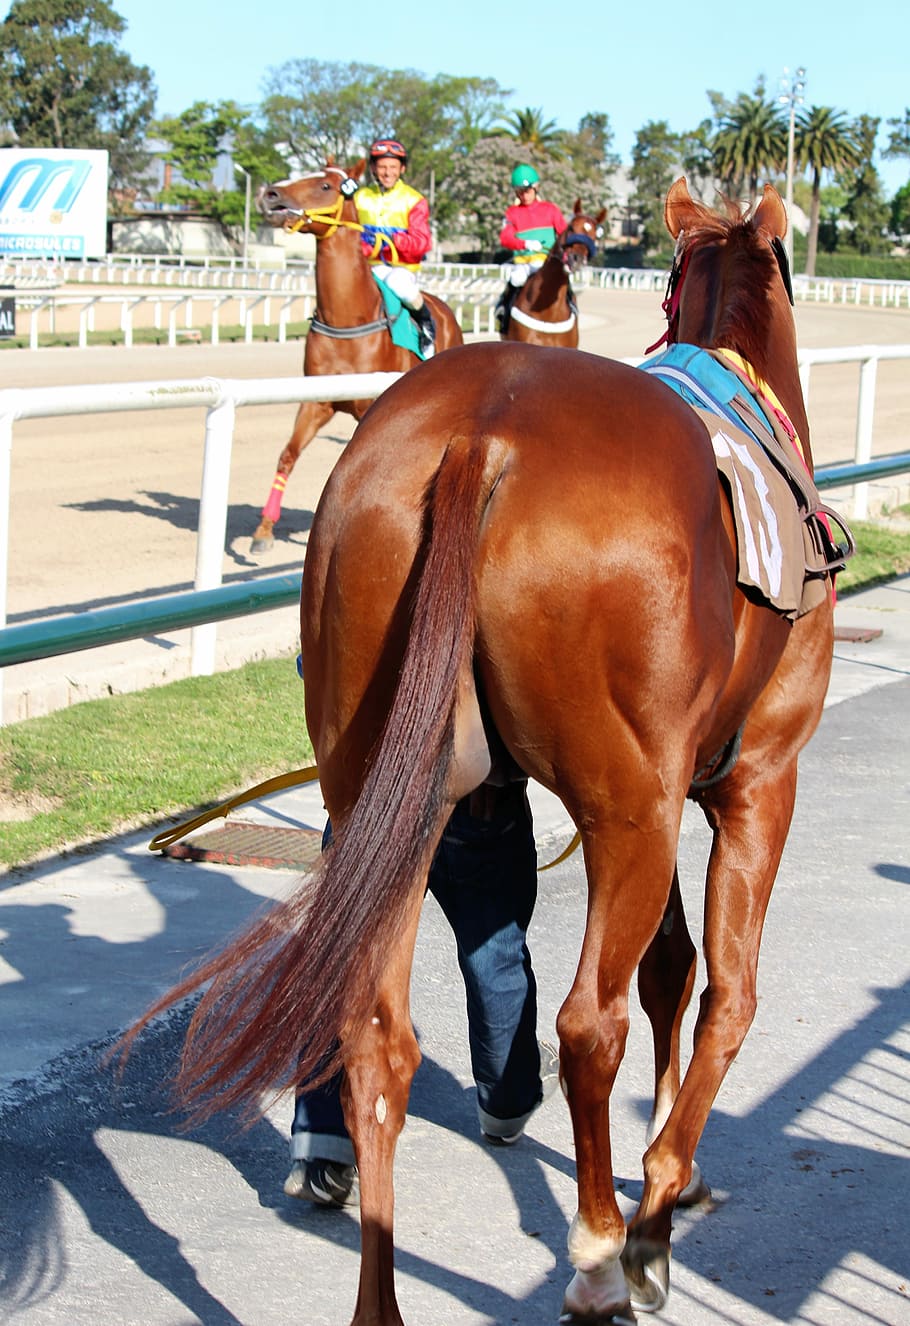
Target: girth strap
x=719, y=766
x=349, y=333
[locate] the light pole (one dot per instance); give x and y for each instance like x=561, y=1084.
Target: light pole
x=246, y=213
x=795, y=86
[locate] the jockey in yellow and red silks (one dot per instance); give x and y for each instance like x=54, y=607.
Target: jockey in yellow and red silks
x=390, y=207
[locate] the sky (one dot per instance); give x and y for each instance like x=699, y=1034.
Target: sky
x=636, y=62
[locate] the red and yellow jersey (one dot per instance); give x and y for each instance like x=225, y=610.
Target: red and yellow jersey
x=402, y=210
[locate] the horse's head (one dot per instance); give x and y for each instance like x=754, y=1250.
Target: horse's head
x=315, y=203
x=730, y=282
x=578, y=242
x=730, y=289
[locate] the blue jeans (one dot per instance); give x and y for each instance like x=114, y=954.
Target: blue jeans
x=484, y=877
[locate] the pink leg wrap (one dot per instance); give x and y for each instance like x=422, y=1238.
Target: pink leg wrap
x=272, y=508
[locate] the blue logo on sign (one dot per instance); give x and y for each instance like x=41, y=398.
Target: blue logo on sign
x=38, y=175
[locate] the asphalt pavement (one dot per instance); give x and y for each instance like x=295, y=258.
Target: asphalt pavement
x=109, y=1213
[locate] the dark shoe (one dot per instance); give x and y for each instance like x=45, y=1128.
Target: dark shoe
x=549, y=1078
x=324, y=1182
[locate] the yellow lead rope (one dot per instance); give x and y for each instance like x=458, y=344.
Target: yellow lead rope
x=296, y=778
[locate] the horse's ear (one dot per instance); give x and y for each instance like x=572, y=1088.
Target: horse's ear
x=770, y=216
x=356, y=171
x=576, y=210
x=679, y=210
x=329, y=161
x=601, y=216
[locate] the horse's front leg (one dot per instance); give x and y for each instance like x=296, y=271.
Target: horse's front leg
x=625, y=868
x=380, y=1062
x=311, y=416
x=751, y=817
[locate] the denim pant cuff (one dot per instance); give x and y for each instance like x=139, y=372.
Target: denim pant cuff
x=494, y=1127
x=322, y=1146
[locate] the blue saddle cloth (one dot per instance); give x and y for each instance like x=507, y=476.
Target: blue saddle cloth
x=401, y=325
x=703, y=381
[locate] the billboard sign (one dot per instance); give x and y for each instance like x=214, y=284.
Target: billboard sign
x=53, y=203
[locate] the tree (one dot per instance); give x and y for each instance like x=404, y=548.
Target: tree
x=590, y=148
x=655, y=165
x=328, y=110
x=751, y=141
x=64, y=82
x=195, y=140
x=900, y=212
x=899, y=138
x=529, y=128
x=823, y=141
x=477, y=190
x=865, y=207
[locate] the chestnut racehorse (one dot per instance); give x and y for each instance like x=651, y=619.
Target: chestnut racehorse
x=525, y=560
x=349, y=332
x=544, y=310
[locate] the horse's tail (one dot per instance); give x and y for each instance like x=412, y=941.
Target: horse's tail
x=282, y=992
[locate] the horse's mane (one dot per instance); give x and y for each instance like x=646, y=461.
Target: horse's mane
x=749, y=269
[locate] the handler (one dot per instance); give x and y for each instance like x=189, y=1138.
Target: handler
x=484, y=877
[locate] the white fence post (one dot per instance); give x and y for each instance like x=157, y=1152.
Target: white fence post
x=864, y=414
x=213, y=508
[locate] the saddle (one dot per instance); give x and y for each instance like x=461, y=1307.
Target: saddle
x=785, y=547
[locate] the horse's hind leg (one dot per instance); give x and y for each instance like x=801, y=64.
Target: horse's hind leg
x=666, y=976
x=380, y=1061
x=311, y=416
x=629, y=862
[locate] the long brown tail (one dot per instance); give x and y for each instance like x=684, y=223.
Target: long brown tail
x=281, y=992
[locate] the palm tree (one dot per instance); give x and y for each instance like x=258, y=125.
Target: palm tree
x=751, y=140
x=529, y=127
x=824, y=140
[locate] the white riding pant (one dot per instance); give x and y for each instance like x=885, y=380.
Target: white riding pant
x=516, y=273
x=402, y=282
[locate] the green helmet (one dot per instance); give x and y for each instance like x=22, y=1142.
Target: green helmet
x=525, y=177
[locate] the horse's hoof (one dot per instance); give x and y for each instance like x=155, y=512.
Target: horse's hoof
x=259, y=545
x=647, y=1270
x=625, y=1317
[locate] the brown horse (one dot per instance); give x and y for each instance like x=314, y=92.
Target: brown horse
x=349, y=332
x=525, y=560
x=544, y=310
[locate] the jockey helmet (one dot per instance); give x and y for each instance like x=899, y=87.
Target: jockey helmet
x=388, y=147
x=525, y=177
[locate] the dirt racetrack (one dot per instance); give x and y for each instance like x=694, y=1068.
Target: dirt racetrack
x=104, y=507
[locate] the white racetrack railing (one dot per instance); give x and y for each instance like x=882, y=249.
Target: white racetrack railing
x=296, y=276
x=221, y=397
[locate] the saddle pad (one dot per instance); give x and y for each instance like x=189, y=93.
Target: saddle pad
x=699, y=378
x=401, y=324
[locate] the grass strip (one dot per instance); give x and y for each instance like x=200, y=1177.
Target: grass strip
x=131, y=760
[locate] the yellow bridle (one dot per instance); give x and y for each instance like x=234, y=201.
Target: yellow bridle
x=331, y=217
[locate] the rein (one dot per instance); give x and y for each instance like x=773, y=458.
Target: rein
x=331, y=217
